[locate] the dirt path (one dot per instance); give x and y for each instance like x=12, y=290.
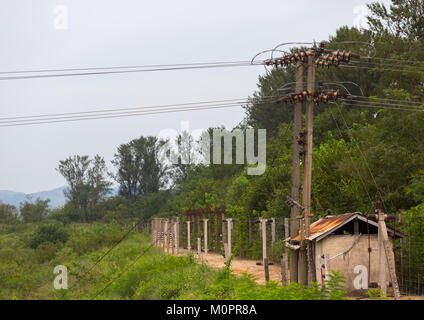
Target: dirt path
x=240, y=266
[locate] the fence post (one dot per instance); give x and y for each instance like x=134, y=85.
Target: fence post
x=177, y=236
x=205, y=231
x=188, y=236
x=229, y=249
x=264, y=255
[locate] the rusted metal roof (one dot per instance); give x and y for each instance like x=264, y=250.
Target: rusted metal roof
x=326, y=224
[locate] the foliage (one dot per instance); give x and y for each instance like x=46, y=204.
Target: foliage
x=140, y=167
x=87, y=182
x=34, y=212
x=8, y=214
x=53, y=233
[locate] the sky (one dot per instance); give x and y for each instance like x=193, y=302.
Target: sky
x=47, y=34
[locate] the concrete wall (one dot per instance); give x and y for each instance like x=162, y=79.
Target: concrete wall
x=358, y=256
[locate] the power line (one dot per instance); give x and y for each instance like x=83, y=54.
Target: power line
x=380, y=107
x=381, y=69
x=363, y=156
x=121, y=109
x=384, y=103
x=352, y=161
x=387, y=99
x=108, y=252
x=123, y=112
x=173, y=110
x=125, y=67
x=170, y=68
x=397, y=60
x=128, y=267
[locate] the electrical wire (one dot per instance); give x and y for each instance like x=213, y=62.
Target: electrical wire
x=386, y=99
x=380, y=69
x=140, y=113
x=384, y=104
x=387, y=64
x=125, y=67
x=108, y=252
x=118, y=113
x=379, y=107
x=122, y=109
x=397, y=60
x=131, y=265
x=171, y=68
x=352, y=161
x=363, y=156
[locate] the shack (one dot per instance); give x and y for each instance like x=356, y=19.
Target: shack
x=342, y=243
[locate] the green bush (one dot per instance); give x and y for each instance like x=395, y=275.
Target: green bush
x=48, y=233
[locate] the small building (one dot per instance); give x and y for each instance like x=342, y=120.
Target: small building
x=341, y=243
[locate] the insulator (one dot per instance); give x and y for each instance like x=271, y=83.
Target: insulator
x=325, y=99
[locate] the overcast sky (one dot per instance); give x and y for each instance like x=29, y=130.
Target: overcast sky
x=134, y=32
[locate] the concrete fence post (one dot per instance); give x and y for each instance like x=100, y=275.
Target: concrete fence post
x=188, y=236
x=205, y=231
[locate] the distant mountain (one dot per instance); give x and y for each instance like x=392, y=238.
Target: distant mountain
x=56, y=197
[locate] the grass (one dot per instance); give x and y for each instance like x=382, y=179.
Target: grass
x=132, y=270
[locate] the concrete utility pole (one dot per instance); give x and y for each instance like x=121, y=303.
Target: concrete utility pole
x=307, y=182
x=386, y=256
x=294, y=254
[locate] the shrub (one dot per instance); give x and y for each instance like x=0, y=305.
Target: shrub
x=48, y=233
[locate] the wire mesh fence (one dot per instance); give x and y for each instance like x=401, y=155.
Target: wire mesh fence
x=246, y=242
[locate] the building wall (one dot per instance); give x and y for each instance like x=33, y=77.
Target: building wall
x=357, y=257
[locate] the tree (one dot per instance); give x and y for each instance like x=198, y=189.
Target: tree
x=404, y=18
x=87, y=180
x=8, y=213
x=141, y=169
x=186, y=157
x=34, y=212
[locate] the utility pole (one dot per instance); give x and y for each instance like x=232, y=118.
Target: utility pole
x=294, y=230
x=386, y=255
x=308, y=163
x=302, y=267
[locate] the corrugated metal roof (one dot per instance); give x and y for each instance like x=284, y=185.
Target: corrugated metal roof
x=326, y=224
